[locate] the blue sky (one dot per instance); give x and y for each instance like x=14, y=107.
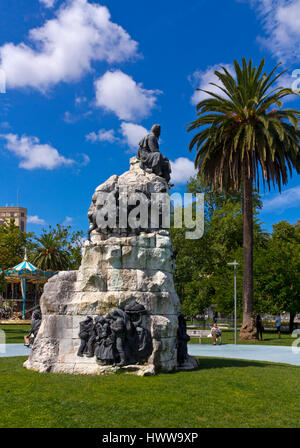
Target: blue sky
x=85, y=79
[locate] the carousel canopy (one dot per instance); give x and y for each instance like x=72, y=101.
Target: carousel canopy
x=27, y=271
x=25, y=266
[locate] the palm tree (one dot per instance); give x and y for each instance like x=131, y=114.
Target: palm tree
x=246, y=137
x=50, y=255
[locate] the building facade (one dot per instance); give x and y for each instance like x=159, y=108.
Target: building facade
x=19, y=214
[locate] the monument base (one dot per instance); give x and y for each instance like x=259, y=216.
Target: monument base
x=116, y=272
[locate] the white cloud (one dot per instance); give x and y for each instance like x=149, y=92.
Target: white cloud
x=36, y=220
x=48, y=3
x=281, y=23
x=64, y=48
x=119, y=93
x=182, y=170
x=85, y=160
x=33, y=154
x=133, y=133
x=71, y=118
x=79, y=100
x=202, y=79
x=287, y=199
x=102, y=135
x=68, y=220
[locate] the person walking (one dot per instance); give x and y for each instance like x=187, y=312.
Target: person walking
x=278, y=324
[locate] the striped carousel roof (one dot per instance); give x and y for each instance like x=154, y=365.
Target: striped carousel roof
x=25, y=266
x=27, y=270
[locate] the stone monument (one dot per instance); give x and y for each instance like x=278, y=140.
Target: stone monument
x=119, y=311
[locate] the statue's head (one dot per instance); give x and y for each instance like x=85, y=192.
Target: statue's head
x=156, y=130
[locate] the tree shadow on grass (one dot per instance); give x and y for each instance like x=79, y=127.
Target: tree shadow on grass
x=219, y=363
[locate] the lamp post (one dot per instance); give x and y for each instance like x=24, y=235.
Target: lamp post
x=234, y=264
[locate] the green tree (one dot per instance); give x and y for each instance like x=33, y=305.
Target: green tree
x=12, y=247
x=58, y=249
x=197, y=297
x=71, y=241
x=246, y=135
x=49, y=254
x=202, y=276
x=277, y=272
x=12, y=244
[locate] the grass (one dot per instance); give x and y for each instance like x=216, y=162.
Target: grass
x=15, y=333
x=221, y=393
x=269, y=338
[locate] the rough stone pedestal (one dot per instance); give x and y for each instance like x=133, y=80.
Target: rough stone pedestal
x=115, y=271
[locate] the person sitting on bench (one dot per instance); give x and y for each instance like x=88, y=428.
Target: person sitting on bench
x=216, y=334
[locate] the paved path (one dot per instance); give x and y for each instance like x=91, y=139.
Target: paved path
x=8, y=350
x=270, y=353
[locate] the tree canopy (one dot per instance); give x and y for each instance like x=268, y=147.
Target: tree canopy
x=58, y=248
x=202, y=276
x=245, y=136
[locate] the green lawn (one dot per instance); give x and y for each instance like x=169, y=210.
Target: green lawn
x=269, y=338
x=221, y=393
x=15, y=333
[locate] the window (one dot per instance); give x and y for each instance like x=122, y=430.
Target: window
x=22, y=226
x=22, y=214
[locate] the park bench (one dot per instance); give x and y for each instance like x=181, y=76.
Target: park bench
x=200, y=334
x=223, y=326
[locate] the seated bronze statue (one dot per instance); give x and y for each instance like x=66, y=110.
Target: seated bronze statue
x=151, y=159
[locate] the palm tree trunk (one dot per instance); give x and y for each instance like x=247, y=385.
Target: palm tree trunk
x=248, y=330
